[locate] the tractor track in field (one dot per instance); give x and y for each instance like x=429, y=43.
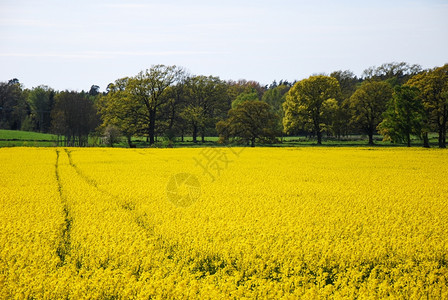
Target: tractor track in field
x=152, y=155
x=64, y=246
x=130, y=206
x=169, y=249
x=90, y=181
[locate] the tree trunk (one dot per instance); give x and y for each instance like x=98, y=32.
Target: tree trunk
x=425, y=140
x=319, y=137
x=317, y=128
x=442, y=136
x=152, y=125
x=371, y=139
x=202, y=136
x=195, y=134
x=252, y=142
x=171, y=123
x=408, y=138
x=370, y=134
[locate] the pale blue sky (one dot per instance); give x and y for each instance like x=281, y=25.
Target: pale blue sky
x=74, y=44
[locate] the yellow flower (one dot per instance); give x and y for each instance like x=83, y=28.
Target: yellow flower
x=274, y=223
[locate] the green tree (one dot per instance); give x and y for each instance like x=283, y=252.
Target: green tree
x=368, y=104
x=40, y=101
x=235, y=88
x=149, y=89
x=251, y=95
x=171, y=113
x=393, y=73
x=118, y=109
x=275, y=96
x=205, y=99
x=348, y=83
x=13, y=106
x=74, y=116
x=404, y=115
x=307, y=103
x=330, y=117
x=433, y=86
x=249, y=122
x=134, y=104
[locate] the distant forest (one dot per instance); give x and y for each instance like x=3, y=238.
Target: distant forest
x=396, y=100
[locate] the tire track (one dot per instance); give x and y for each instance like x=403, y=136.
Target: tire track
x=152, y=155
x=139, y=218
x=79, y=172
x=167, y=248
x=91, y=181
x=64, y=247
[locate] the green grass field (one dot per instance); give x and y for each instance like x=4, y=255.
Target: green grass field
x=16, y=138
x=25, y=135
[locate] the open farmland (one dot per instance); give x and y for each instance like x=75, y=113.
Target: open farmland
x=223, y=223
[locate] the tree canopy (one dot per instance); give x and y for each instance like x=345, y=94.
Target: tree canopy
x=433, y=86
x=309, y=103
x=74, y=116
x=249, y=122
x=368, y=104
x=404, y=115
x=206, y=101
x=397, y=100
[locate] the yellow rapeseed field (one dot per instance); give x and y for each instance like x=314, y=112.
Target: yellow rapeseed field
x=214, y=223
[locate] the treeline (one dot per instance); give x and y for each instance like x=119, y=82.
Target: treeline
x=397, y=100
x=71, y=115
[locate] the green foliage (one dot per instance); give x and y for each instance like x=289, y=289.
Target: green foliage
x=347, y=81
x=117, y=108
x=40, y=101
x=29, y=124
x=310, y=103
x=133, y=103
x=393, y=73
x=205, y=103
x=171, y=123
x=163, y=101
x=433, y=86
x=149, y=91
x=404, y=116
x=368, y=104
x=25, y=135
x=236, y=88
x=74, y=116
x=13, y=106
x=275, y=97
x=249, y=122
x=246, y=96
